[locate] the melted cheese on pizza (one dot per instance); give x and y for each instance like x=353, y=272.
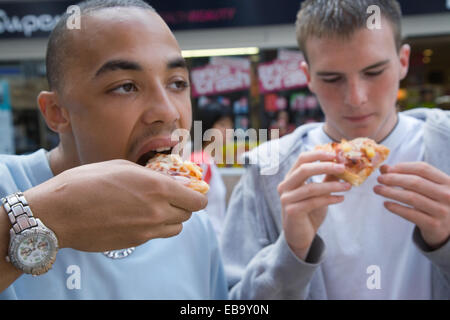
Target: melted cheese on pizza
x=358, y=154
x=186, y=172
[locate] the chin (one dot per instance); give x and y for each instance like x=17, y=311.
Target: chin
x=360, y=133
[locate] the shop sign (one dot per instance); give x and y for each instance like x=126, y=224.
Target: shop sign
x=6, y=128
x=26, y=25
x=25, y=18
x=218, y=79
x=280, y=75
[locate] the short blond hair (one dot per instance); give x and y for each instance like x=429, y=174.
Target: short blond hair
x=328, y=18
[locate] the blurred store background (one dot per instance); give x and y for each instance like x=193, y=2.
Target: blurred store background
x=242, y=55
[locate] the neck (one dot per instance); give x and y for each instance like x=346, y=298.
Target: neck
x=383, y=131
x=60, y=159
x=387, y=127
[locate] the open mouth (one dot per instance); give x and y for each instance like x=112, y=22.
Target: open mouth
x=152, y=153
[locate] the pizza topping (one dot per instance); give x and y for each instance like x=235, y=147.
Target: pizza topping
x=346, y=147
x=173, y=165
x=370, y=151
x=146, y=157
x=356, y=154
x=361, y=156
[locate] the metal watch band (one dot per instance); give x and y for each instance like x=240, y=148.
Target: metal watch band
x=19, y=212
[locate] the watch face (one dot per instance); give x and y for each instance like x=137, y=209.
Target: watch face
x=34, y=250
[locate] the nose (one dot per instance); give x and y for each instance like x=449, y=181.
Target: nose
x=356, y=93
x=160, y=107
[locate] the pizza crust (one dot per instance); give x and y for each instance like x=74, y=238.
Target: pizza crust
x=355, y=179
x=185, y=172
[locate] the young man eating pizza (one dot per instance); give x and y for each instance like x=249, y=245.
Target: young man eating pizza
x=302, y=233
x=119, y=87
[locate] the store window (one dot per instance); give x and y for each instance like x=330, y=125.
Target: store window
x=267, y=90
x=24, y=80
x=428, y=80
x=286, y=101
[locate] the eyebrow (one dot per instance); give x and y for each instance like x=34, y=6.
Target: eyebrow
x=114, y=65
x=178, y=62
x=373, y=66
x=376, y=65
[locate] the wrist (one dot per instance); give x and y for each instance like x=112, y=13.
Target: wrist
x=43, y=203
x=5, y=225
x=299, y=252
x=33, y=246
x=8, y=272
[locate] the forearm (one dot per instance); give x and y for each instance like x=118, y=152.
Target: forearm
x=439, y=257
x=8, y=273
x=258, y=261
x=276, y=273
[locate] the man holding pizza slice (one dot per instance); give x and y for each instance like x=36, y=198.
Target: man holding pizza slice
x=303, y=233
x=119, y=88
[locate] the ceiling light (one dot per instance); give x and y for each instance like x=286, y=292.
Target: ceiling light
x=427, y=52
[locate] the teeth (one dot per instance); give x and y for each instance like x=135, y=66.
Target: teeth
x=162, y=149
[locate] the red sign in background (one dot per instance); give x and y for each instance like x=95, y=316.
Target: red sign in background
x=281, y=75
x=224, y=75
x=218, y=79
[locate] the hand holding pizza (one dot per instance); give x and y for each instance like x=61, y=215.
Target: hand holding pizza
x=186, y=172
x=425, y=191
x=113, y=204
x=304, y=205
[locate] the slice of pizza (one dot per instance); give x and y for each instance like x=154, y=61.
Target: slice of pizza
x=186, y=172
x=361, y=156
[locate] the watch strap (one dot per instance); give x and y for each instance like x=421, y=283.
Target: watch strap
x=19, y=212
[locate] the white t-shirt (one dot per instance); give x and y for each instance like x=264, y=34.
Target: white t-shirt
x=216, y=207
x=186, y=266
x=369, y=250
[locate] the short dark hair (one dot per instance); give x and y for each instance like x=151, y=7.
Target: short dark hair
x=324, y=18
x=57, y=47
x=210, y=114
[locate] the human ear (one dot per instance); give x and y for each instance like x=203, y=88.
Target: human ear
x=404, y=54
x=56, y=117
x=305, y=68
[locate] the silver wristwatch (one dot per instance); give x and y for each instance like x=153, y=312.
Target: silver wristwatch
x=33, y=246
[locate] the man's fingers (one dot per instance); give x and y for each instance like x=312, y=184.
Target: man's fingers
x=307, y=170
x=312, y=203
x=411, y=198
x=175, y=192
x=177, y=215
x=413, y=183
x=172, y=230
x=185, y=198
x=421, y=169
x=312, y=156
x=163, y=231
x=312, y=190
x=420, y=219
